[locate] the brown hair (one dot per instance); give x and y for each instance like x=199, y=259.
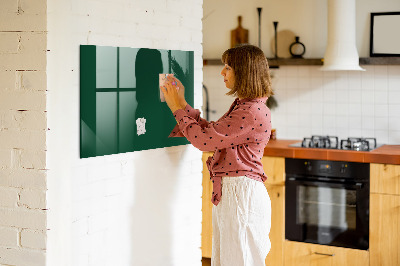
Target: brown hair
x=250, y=66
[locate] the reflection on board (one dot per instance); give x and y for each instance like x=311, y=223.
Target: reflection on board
x=120, y=105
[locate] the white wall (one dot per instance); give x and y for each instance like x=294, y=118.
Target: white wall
x=343, y=104
x=140, y=208
x=306, y=19
x=23, y=133
x=311, y=102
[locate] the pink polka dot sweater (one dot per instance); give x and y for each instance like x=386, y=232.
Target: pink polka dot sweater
x=238, y=139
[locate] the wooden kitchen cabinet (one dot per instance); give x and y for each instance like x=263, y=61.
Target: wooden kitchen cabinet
x=385, y=178
x=277, y=233
x=385, y=215
x=305, y=254
x=274, y=168
x=384, y=236
x=206, y=225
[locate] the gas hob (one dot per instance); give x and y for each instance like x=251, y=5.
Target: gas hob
x=332, y=142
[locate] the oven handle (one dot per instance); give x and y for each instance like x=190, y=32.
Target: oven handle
x=324, y=254
x=357, y=185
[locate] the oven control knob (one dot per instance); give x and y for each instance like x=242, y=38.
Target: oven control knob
x=308, y=166
x=343, y=168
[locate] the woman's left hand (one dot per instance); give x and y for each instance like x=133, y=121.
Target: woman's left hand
x=171, y=95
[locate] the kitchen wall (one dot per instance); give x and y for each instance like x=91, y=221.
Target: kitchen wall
x=138, y=208
x=306, y=19
x=342, y=103
x=345, y=103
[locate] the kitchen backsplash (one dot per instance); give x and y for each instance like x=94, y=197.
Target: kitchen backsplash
x=314, y=102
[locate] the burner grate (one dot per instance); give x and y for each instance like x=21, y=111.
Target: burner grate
x=327, y=142
x=332, y=142
x=358, y=144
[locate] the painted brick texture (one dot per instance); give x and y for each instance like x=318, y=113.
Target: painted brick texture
x=34, y=239
x=140, y=208
x=112, y=210
x=9, y=237
x=23, y=218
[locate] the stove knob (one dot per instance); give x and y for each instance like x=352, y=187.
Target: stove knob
x=308, y=166
x=343, y=168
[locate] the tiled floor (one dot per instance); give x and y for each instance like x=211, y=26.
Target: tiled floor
x=206, y=261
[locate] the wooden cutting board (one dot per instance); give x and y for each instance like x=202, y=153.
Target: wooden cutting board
x=239, y=35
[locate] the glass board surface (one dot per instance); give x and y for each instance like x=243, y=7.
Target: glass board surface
x=120, y=106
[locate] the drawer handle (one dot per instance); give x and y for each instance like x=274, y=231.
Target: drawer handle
x=324, y=254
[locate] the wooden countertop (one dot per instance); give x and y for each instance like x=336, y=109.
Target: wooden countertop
x=389, y=154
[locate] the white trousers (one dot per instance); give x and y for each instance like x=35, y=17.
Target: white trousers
x=241, y=223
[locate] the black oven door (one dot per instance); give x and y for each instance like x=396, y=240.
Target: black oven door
x=327, y=213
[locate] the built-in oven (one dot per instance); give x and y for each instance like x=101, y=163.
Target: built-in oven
x=327, y=202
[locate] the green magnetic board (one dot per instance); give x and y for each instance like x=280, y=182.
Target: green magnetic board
x=118, y=87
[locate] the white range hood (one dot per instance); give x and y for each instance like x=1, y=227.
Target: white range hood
x=341, y=51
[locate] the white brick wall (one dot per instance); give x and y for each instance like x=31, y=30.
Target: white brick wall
x=9, y=237
x=23, y=178
x=23, y=132
x=23, y=218
x=34, y=239
x=93, y=203
x=140, y=208
x=11, y=256
x=8, y=197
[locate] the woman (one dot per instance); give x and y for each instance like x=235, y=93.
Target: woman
x=242, y=208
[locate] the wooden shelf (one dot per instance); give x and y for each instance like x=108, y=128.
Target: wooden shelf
x=212, y=62
x=273, y=63
x=380, y=61
x=294, y=62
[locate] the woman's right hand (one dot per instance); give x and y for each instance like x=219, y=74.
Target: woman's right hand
x=181, y=91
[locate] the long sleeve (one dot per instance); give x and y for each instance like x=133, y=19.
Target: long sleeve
x=238, y=139
x=231, y=130
x=193, y=113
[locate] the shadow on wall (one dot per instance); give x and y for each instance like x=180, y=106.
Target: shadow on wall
x=147, y=96
x=152, y=225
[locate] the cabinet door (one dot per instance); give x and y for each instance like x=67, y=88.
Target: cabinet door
x=206, y=232
x=384, y=230
x=277, y=233
x=274, y=168
x=385, y=178
x=304, y=254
